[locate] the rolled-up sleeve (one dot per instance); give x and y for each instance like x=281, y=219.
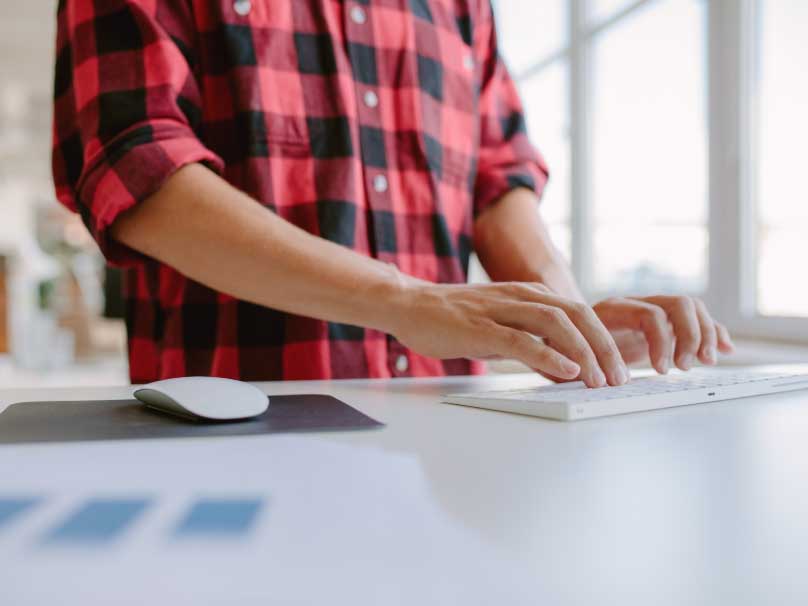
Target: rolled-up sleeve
x=507, y=160
x=127, y=108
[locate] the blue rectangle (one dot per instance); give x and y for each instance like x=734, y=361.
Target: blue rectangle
x=219, y=517
x=98, y=521
x=11, y=508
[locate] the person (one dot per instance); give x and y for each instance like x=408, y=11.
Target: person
x=295, y=187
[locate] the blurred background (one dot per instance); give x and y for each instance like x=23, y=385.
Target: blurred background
x=674, y=130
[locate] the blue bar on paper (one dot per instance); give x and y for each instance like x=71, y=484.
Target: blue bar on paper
x=11, y=508
x=219, y=517
x=98, y=521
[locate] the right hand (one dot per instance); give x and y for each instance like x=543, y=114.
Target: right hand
x=503, y=320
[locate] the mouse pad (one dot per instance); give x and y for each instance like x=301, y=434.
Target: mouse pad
x=131, y=420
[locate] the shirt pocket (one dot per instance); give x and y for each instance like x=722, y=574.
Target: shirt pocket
x=460, y=94
x=252, y=72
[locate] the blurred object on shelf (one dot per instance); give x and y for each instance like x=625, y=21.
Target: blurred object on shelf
x=36, y=339
x=55, y=288
x=3, y=306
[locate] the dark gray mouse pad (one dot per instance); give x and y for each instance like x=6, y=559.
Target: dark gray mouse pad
x=131, y=420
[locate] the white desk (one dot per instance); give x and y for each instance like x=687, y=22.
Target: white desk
x=446, y=505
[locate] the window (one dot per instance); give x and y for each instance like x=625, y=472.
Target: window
x=781, y=205
x=649, y=150
x=672, y=129
x=540, y=67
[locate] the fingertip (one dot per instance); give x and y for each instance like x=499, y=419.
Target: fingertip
x=709, y=355
x=569, y=369
x=685, y=362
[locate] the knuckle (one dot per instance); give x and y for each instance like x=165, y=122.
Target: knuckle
x=609, y=350
x=548, y=312
x=581, y=310
x=522, y=288
x=558, y=316
x=513, y=340
x=607, y=303
x=542, y=356
x=580, y=352
x=656, y=315
x=685, y=304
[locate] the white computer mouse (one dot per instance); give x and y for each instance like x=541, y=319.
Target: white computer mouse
x=205, y=398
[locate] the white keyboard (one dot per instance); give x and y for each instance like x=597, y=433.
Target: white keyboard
x=573, y=401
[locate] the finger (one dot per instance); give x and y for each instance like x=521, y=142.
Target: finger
x=600, y=340
x=725, y=344
x=632, y=344
x=555, y=379
x=708, y=350
x=651, y=320
x=606, y=354
x=682, y=314
x=554, y=324
x=519, y=345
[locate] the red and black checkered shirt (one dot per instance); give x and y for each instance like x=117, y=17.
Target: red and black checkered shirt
x=383, y=125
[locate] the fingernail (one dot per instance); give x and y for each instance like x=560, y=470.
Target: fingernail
x=711, y=354
x=619, y=376
x=663, y=365
x=686, y=361
x=571, y=368
x=598, y=378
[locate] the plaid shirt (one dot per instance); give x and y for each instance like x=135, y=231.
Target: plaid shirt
x=385, y=126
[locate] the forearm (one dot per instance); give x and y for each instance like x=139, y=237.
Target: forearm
x=215, y=235
x=513, y=244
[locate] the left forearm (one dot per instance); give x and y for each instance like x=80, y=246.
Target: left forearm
x=513, y=244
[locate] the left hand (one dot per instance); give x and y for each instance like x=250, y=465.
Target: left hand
x=664, y=329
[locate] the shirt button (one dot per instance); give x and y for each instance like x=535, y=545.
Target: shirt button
x=242, y=7
x=402, y=363
x=468, y=62
x=380, y=183
x=358, y=15
x=371, y=99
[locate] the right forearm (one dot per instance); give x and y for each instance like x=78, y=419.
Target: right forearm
x=216, y=235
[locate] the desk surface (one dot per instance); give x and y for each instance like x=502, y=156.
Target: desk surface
x=446, y=505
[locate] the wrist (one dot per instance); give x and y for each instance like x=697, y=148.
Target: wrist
x=556, y=275
x=390, y=301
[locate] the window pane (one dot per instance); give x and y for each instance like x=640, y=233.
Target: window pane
x=650, y=151
x=600, y=10
x=545, y=100
x=530, y=30
x=782, y=210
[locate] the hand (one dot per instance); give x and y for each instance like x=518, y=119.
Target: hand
x=508, y=320
x=664, y=328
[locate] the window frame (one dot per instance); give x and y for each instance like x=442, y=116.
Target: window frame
x=733, y=50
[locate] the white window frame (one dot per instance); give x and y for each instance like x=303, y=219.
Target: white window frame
x=733, y=51
x=734, y=43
